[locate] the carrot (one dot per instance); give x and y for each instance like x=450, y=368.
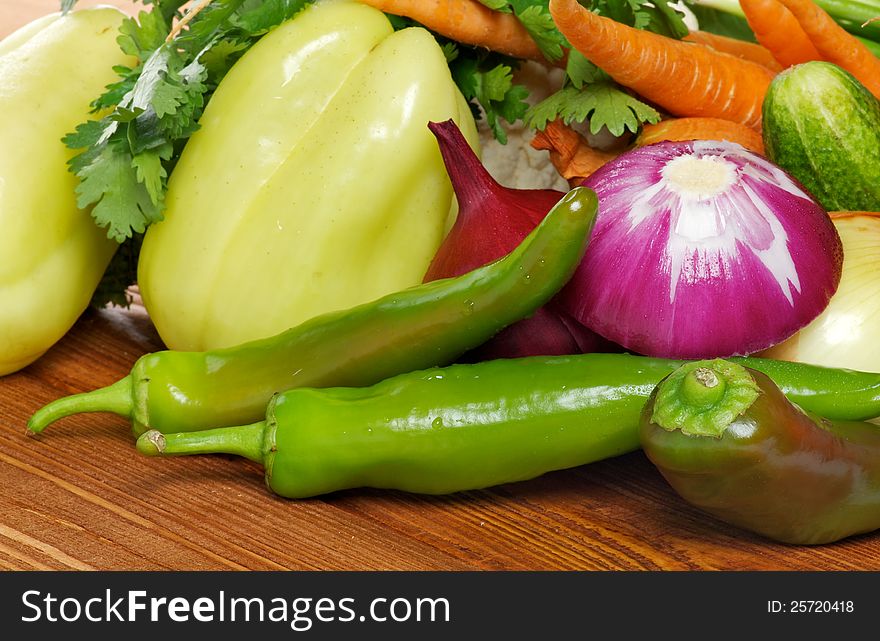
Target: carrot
x=738, y=48
x=469, y=22
x=777, y=29
x=701, y=129
x=570, y=153
x=835, y=45
x=686, y=79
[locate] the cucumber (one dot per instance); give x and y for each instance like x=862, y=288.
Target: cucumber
x=823, y=127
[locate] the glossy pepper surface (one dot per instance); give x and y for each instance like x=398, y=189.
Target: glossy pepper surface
x=423, y=326
x=729, y=441
x=447, y=429
x=53, y=255
x=313, y=184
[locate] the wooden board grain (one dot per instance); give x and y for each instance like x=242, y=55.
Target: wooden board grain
x=79, y=497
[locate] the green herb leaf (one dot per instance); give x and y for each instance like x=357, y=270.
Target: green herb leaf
x=167, y=8
x=536, y=18
x=212, y=22
x=86, y=136
x=122, y=203
x=497, y=5
x=724, y=24
x=143, y=36
x=657, y=16
x=581, y=71
x=493, y=88
x=603, y=103
x=259, y=16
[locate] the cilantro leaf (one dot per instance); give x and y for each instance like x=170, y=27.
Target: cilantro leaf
x=450, y=51
x=259, y=16
x=535, y=17
x=86, y=135
x=150, y=171
x=497, y=5
x=122, y=203
x=167, y=8
x=116, y=91
x=724, y=24
x=493, y=88
x=603, y=103
x=505, y=99
x=143, y=36
x=219, y=58
x=579, y=70
x=211, y=22
x=539, y=23
x=659, y=16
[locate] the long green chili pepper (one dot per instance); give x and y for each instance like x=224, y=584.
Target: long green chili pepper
x=470, y=426
x=427, y=325
x=729, y=442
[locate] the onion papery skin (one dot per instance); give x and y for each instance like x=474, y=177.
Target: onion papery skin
x=847, y=333
x=729, y=266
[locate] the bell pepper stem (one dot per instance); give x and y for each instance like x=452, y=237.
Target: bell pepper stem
x=242, y=440
x=115, y=398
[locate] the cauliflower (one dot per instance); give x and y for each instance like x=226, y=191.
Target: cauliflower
x=517, y=164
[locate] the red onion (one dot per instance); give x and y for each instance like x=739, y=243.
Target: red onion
x=702, y=249
x=492, y=220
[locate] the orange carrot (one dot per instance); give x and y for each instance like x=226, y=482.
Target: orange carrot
x=686, y=79
x=570, y=153
x=701, y=129
x=469, y=22
x=738, y=48
x=777, y=29
x=835, y=44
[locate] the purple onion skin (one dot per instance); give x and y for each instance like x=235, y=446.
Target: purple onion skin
x=492, y=221
x=548, y=332
x=760, y=261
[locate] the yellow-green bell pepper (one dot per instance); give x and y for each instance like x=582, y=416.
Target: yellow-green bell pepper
x=52, y=255
x=312, y=185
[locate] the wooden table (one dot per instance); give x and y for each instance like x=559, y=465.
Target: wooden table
x=80, y=497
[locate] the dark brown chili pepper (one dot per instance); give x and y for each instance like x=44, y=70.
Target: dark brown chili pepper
x=730, y=442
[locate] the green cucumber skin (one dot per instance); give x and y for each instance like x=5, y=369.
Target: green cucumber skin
x=823, y=127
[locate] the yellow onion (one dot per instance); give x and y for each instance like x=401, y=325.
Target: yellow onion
x=847, y=333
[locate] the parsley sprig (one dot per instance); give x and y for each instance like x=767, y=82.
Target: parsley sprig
x=588, y=93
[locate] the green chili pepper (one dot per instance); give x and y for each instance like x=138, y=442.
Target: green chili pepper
x=729, y=441
x=427, y=325
x=461, y=427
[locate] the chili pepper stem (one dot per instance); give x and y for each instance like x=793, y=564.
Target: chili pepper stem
x=115, y=398
x=704, y=397
x=702, y=387
x=242, y=440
